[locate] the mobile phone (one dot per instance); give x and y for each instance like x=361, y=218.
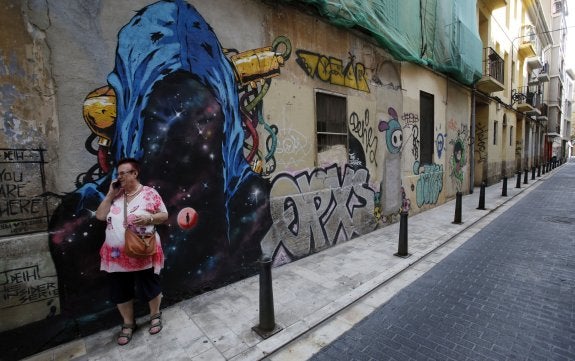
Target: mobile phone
x=116, y=185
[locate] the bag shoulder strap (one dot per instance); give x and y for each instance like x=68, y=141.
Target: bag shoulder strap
x=126, y=214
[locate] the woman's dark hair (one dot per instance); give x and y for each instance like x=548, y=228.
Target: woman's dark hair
x=132, y=161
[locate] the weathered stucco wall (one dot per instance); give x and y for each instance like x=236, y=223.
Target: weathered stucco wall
x=85, y=83
x=27, y=152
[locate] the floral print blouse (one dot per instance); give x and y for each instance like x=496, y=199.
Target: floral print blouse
x=113, y=259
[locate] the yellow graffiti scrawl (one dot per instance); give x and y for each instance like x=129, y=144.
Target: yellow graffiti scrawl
x=331, y=70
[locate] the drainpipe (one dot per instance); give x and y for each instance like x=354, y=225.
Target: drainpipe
x=472, y=143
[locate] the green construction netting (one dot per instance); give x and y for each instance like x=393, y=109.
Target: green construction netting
x=442, y=34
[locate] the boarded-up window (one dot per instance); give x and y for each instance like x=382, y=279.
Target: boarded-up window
x=332, y=144
x=426, y=127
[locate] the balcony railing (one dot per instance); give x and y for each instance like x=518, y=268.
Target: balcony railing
x=493, y=64
x=527, y=98
x=493, y=72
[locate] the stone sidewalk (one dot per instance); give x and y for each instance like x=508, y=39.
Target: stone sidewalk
x=218, y=325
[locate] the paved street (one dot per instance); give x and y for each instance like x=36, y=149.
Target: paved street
x=508, y=293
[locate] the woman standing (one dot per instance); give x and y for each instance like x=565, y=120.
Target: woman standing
x=145, y=209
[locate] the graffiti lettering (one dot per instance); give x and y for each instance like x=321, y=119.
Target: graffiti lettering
x=410, y=119
x=24, y=285
x=365, y=133
x=19, y=155
x=480, y=143
x=15, y=207
x=11, y=190
x=415, y=142
x=322, y=209
x=429, y=184
x=331, y=70
x=21, y=209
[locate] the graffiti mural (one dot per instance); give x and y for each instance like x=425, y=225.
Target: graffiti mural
x=188, y=109
x=331, y=70
x=458, y=159
x=324, y=207
x=254, y=71
x=440, y=144
x=429, y=184
x=393, y=131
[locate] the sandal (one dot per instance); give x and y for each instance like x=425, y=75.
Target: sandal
x=126, y=335
x=155, y=325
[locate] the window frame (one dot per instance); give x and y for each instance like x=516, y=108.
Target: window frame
x=426, y=131
x=319, y=93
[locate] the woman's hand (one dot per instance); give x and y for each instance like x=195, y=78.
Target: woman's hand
x=104, y=207
x=143, y=220
x=115, y=188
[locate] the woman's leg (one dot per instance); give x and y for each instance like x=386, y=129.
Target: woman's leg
x=155, y=305
x=127, y=311
x=155, y=319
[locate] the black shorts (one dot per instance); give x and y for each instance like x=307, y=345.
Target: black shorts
x=124, y=286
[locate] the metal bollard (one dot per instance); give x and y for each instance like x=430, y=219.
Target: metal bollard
x=504, y=189
x=402, y=245
x=518, y=185
x=539, y=170
x=526, y=175
x=267, y=326
x=482, y=196
x=533, y=173
x=457, y=217
x=542, y=168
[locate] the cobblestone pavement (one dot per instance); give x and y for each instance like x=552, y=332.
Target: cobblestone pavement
x=508, y=293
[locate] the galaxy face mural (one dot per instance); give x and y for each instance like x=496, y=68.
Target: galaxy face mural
x=187, y=109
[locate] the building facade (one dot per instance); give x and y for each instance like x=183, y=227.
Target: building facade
x=283, y=130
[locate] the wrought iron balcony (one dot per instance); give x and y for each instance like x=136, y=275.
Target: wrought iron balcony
x=527, y=99
x=493, y=72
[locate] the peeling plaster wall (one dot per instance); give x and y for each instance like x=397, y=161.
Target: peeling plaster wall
x=28, y=142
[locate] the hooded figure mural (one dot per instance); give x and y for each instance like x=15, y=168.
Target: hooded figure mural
x=178, y=112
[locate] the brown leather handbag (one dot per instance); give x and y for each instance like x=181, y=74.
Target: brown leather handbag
x=136, y=245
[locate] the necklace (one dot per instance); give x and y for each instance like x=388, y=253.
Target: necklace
x=138, y=188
